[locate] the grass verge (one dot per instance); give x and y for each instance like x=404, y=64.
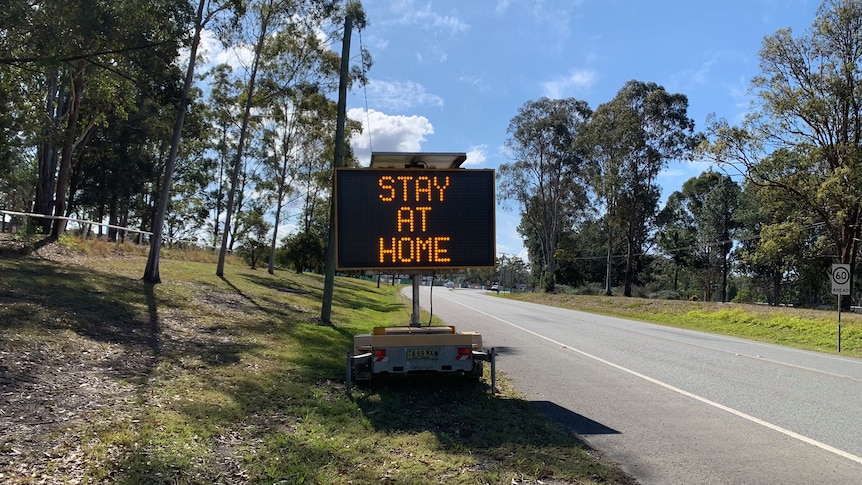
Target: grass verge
x=794, y=327
x=203, y=379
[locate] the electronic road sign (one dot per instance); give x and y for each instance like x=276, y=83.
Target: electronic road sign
x=414, y=218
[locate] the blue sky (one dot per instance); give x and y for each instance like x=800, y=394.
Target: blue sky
x=448, y=76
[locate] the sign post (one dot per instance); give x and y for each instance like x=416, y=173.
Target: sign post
x=840, y=286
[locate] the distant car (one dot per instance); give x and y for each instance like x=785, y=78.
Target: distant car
x=495, y=287
x=450, y=284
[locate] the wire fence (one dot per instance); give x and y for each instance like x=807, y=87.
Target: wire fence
x=10, y=226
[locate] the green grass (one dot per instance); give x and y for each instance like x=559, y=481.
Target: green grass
x=203, y=379
x=794, y=327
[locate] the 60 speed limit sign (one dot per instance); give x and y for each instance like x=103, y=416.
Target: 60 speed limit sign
x=840, y=279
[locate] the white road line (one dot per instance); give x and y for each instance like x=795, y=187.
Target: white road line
x=738, y=354
x=683, y=392
x=732, y=339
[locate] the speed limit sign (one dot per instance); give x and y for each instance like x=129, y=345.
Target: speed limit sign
x=840, y=279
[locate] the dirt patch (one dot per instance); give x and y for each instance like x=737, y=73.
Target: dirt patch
x=50, y=384
x=63, y=385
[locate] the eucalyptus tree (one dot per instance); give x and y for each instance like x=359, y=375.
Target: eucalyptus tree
x=206, y=11
x=99, y=47
x=676, y=235
x=545, y=178
x=773, y=242
x=246, y=182
x=315, y=160
x=704, y=215
x=314, y=177
x=807, y=101
x=223, y=102
x=581, y=254
x=264, y=17
x=784, y=249
x=17, y=171
x=117, y=173
x=253, y=235
x=297, y=64
x=30, y=83
x=292, y=154
x=631, y=139
x=260, y=32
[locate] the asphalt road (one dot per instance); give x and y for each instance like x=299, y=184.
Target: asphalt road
x=674, y=406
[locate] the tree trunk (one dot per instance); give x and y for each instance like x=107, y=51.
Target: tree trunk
x=609, y=265
x=631, y=244
x=219, y=197
x=274, y=242
x=112, y=218
x=47, y=152
x=237, y=209
x=237, y=162
x=776, y=287
x=151, y=272
x=77, y=92
x=630, y=256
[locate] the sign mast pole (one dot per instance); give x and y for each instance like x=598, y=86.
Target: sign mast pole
x=839, y=324
x=329, y=277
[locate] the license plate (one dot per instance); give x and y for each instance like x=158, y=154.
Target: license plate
x=421, y=354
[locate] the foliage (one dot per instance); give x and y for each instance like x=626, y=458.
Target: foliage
x=583, y=254
x=699, y=227
x=545, y=178
x=629, y=140
x=305, y=251
x=808, y=97
x=253, y=237
x=89, y=98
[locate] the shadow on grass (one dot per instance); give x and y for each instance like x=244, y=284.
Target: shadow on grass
x=95, y=305
x=464, y=416
x=241, y=293
x=353, y=293
x=349, y=294
x=280, y=285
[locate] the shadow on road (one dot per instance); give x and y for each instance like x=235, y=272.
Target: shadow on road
x=578, y=424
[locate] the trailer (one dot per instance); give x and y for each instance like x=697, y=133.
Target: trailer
x=404, y=350
x=417, y=214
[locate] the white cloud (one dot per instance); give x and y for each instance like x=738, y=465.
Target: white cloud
x=213, y=53
x=555, y=18
x=701, y=76
x=501, y=7
x=428, y=19
x=476, y=156
x=576, y=80
x=400, y=95
x=285, y=230
x=375, y=42
x=387, y=133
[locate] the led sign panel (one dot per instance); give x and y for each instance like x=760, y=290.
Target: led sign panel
x=409, y=219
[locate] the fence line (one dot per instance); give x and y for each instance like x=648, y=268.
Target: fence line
x=84, y=221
